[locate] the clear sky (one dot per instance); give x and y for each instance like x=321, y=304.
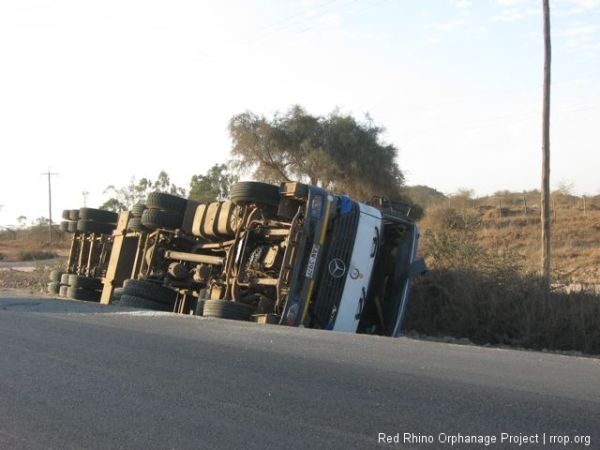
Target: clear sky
x=102, y=91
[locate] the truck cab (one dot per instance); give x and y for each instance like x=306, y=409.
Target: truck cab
x=355, y=264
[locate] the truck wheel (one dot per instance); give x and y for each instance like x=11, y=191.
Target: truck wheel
x=98, y=215
x=79, y=281
x=55, y=275
x=93, y=226
x=227, y=309
x=135, y=224
x=66, y=214
x=74, y=214
x=64, y=279
x=62, y=292
x=53, y=287
x=246, y=192
x=156, y=218
x=132, y=301
x=117, y=294
x=86, y=295
x=138, y=209
x=166, y=202
x=150, y=291
x=72, y=226
x=64, y=225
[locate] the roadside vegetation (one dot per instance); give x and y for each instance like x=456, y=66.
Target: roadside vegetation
x=484, y=285
x=33, y=243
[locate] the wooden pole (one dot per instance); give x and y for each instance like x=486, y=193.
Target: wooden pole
x=546, y=266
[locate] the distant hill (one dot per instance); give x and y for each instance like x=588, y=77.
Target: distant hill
x=426, y=197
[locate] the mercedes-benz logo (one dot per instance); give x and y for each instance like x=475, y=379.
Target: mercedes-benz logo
x=337, y=268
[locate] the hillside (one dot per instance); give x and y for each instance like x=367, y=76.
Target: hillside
x=509, y=224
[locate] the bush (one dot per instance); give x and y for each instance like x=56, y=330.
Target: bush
x=503, y=308
x=34, y=255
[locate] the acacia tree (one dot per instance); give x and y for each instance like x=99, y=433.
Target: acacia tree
x=336, y=152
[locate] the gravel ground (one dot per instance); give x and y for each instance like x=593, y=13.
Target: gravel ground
x=32, y=282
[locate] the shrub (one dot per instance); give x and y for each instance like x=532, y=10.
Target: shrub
x=34, y=255
x=504, y=308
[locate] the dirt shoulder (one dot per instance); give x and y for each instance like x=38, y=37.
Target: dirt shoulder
x=26, y=277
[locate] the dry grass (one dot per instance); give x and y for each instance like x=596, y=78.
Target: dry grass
x=28, y=245
x=575, y=238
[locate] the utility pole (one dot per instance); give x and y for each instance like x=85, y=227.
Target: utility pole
x=49, y=175
x=546, y=155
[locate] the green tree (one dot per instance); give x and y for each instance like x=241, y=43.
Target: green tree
x=336, y=152
x=137, y=191
x=214, y=186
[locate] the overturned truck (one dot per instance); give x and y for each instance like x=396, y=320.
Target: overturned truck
x=292, y=255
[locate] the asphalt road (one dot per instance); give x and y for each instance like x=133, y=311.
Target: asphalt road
x=86, y=376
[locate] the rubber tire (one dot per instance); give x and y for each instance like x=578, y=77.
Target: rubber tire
x=66, y=214
x=53, y=287
x=62, y=292
x=56, y=275
x=166, y=202
x=72, y=226
x=138, y=209
x=246, y=192
x=86, y=295
x=74, y=214
x=80, y=281
x=117, y=294
x=92, y=226
x=99, y=215
x=131, y=301
x=64, y=225
x=227, y=309
x=64, y=279
x=150, y=291
x=156, y=218
x=135, y=224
